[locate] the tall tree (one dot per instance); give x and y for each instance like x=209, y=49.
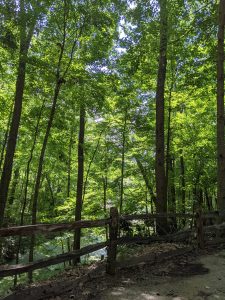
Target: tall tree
x=220, y=110
x=161, y=192
x=80, y=177
x=27, y=22
x=123, y=159
x=60, y=75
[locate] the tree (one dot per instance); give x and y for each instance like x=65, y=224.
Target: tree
x=80, y=177
x=220, y=110
x=60, y=75
x=161, y=189
x=27, y=22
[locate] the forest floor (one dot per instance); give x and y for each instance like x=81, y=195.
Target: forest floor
x=191, y=277
x=188, y=275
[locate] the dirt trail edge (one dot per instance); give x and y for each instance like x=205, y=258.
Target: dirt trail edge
x=180, y=274
x=197, y=278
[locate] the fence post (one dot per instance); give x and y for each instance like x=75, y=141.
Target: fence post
x=199, y=227
x=112, y=248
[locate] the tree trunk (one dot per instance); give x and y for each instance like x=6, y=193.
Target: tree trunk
x=5, y=138
x=52, y=204
x=170, y=186
x=25, y=39
x=89, y=166
x=14, y=185
x=26, y=184
x=39, y=171
x=105, y=185
x=171, y=194
x=69, y=163
x=208, y=199
x=183, y=186
x=80, y=180
x=147, y=181
x=220, y=110
x=160, y=155
x=168, y=157
x=123, y=162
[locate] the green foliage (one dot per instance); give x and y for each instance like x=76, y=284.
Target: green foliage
x=109, y=65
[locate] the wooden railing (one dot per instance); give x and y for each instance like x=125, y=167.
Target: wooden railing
x=113, y=223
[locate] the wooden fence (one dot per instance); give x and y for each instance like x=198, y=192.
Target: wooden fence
x=113, y=223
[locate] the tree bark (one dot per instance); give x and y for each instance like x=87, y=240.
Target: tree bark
x=160, y=147
x=89, y=165
x=69, y=162
x=220, y=110
x=5, y=138
x=183, y=186
x=168, y=156
x=27, y=183
x=25, y=39
x=105, y=183
x=80, y=180
x=147, y=181
x=208, y=199
x=39, y=171
x=171, y=194
x=123, y=162
x=61, y=73
x=14, y=184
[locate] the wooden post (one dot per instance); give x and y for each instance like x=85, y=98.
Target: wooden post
x=112, y=248
x=199, y=228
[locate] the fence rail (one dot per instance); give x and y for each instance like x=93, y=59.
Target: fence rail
x=50, y=228
x=10, y=270
x=113, y=223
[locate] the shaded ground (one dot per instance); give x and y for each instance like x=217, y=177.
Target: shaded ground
x=186, y=278
x=192, y=276
x=156, y=272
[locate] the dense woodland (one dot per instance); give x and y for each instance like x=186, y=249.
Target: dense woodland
x=109, y=103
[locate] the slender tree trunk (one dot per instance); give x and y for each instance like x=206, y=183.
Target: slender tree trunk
x=123, y=162
x=220, y=110
x=183, y=187
x=160, y=148
x=172, y=194
x=52, y=204
x=39, y=171
x=5, y=138
x=25, y=39
x=170, y=186
x=69, y=182
x=168, y=157
x=80, y=180
x=208, y=199
x=60, y=79
x=58, y=84
x=24, y=205
x=147, y=181
x=14, y=185
x=69, y=163
x=105, y=184
x=89, y=165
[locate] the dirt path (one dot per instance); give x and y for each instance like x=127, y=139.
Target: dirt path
x=155, y=272
x=185, y=279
